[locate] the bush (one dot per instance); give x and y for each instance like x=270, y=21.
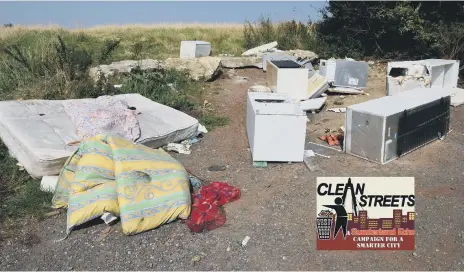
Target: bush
x=392, y=30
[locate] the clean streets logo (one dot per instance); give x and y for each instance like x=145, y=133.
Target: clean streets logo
x=365, y=213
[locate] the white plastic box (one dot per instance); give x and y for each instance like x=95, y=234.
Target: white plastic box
x=287, y=77
x=276, y=128
x=386, y=128
x=194, y=49
x=408, y=75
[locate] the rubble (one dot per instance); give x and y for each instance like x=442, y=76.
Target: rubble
x=260, y=49
x=337, y=109
x=205, y=68
x=259, y=89
x=311, y=153
x=183, y=148
x=332, y=139
x=123, y=67
x=303, y=54
x=345, y=90
x=312, y=104
x=271, y=48
x=245, y=241
x=240, y=62
x=326, y=147
x=310, y=165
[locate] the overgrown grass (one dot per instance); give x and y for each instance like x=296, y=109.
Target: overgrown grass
x=289, y=35
x=20, y=195
x=156, y=42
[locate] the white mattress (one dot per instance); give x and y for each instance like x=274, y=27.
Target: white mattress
x=37, y=131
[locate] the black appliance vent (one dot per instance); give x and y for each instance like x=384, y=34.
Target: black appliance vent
x=423, y=124
x=286, y=64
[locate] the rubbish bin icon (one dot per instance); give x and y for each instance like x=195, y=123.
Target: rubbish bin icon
x=324, y=222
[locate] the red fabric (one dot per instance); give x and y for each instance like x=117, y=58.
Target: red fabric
x=206, y=212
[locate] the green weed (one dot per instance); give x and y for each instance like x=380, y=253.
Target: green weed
x=20, y=195
x=212, y=121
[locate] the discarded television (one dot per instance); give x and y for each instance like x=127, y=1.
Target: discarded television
x=276, y=128
x=345, y=73
x=287, y=77
x=194, y=49
x=408, y=75
x=387, y=128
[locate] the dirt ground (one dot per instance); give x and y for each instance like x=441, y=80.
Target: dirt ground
x=276, y=209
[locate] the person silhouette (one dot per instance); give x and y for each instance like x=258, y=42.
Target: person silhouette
x=341, y=217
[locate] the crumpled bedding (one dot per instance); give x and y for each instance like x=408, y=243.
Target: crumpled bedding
x=105, y=114
x=38, y=132
x=109, y=174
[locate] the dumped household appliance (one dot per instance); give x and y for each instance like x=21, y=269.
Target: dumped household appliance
x=407, y=75
x=275, y=56
x=194, y=49
x=345, y=73
x=276, y=128
x=389, y=127
x=287, y=77
x=317, y=85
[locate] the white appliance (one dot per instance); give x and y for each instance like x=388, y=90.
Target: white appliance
x=287, y=77
x=317, y=85
x=275, y=56
x=276, y=128
x=194, y=49
x=386, y=128
x=407, y=75
x=345, y=73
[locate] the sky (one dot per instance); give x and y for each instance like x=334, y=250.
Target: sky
x=88, y=14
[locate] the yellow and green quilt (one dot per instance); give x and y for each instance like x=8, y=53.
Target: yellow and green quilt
x=145, y=187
